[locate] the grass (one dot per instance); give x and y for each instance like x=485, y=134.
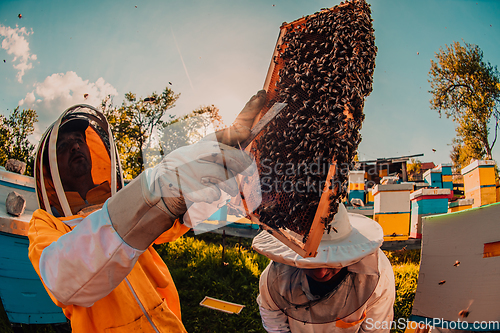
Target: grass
x=199, y=269
x=405, y=265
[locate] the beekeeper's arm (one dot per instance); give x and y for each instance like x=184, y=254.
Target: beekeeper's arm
x=273, y=319
x=86, y=264
x=379, y=310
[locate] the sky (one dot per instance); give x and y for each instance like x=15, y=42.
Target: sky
x=218, y=52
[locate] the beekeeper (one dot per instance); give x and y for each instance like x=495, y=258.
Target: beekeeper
x=90, y=241
x=347, y=287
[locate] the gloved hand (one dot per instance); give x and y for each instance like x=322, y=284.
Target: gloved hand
x=197, y=173
x=240, y=130
x=232, y=136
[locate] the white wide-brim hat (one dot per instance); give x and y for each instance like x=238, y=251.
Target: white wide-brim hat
x=356, y=236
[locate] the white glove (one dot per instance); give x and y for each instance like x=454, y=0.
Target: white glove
x=197, y=173
x=240, y=130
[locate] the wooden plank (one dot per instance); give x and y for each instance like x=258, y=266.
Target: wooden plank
x=217, y=304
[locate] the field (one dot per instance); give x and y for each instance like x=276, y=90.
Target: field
x=200, y=268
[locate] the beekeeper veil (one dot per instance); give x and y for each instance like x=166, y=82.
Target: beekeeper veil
x=105, y=160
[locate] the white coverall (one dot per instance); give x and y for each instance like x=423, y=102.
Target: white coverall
x=375, y=315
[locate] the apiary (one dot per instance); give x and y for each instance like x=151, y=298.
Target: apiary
x=322, y=67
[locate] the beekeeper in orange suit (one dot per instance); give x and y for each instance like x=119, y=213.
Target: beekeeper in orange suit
x=347, y=287
x=90, y=241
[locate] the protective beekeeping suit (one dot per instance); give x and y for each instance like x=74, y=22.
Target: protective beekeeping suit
x=347, y=287
x=90, y=241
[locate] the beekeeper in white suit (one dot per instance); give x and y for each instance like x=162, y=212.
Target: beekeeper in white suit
x=347, y=287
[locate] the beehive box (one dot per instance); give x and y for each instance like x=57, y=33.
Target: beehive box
x=392, y=210
x=446, y=176
x=433, y=178
x=479, y=182
x=426, y=202
x=357, y=185
x=459, y=205
x=322, y=67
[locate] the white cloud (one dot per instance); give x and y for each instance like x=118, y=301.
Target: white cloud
x=15, y=43
x=60, y=91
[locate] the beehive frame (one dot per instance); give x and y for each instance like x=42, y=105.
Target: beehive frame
x=348, y=113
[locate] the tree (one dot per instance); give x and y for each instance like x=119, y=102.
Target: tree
x=190, y=128
x=14, y=132
x=133, y=125
x=468, y=90
x=414, y=169
x=142, y=135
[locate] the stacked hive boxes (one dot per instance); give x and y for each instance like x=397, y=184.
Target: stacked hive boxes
x=356, y=185
x=425, y=202
x=392, y=209
x=479, y=182
x=459, y=205
x=446, y=176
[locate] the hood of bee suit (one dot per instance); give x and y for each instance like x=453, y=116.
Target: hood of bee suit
x=346, y=240
x=105, y=160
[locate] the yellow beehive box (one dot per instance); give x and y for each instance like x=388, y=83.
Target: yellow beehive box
x=392, y=209
x=459, y=205
x=479, y=182
x=396, y=226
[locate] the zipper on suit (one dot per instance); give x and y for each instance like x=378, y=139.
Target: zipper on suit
x=142, y=306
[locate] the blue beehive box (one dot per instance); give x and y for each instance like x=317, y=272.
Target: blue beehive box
x=24, y=297
x=433, y=178
x=446, y=176
x=426, y=202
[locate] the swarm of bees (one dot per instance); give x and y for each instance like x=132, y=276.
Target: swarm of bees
x=323, y=69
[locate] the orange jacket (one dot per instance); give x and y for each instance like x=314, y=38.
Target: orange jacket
x=100, y=282
x=145, y=298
